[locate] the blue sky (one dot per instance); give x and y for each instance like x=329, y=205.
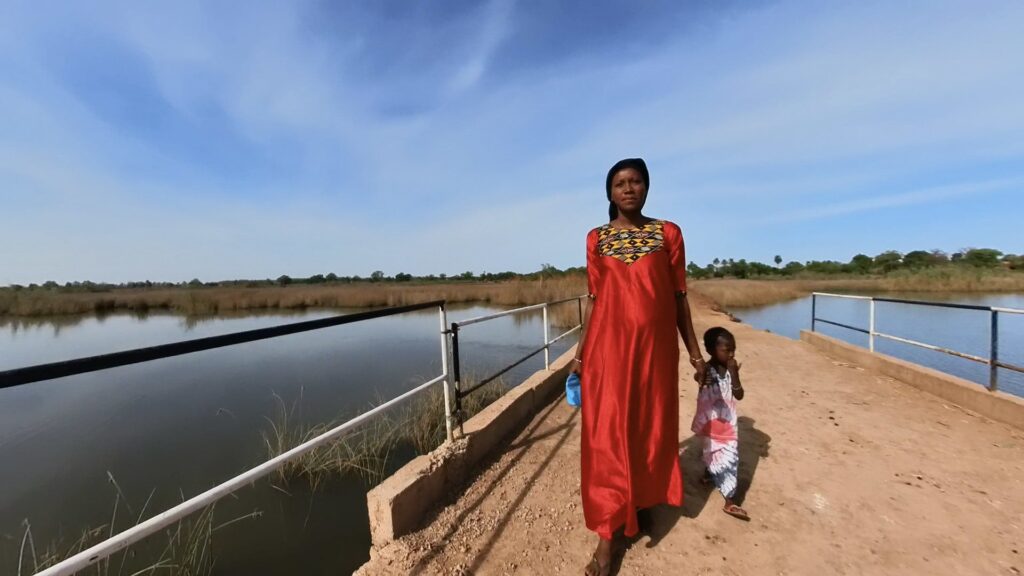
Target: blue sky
x=166, y=141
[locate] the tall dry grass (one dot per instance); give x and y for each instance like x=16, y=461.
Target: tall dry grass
x=27, y=304
x=729, y=293
x=733, y=293
x=216, y=300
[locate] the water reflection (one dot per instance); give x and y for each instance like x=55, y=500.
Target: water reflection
x=181, y=424
x=956, y=329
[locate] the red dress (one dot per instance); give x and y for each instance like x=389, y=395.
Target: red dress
x=629, y=384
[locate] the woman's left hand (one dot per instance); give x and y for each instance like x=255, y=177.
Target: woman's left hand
x=700, y=371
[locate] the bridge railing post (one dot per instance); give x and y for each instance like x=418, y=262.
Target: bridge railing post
x=457, y=375
x=993, y=357
x=871, y=325
x=814, y=310
x=443, y=317
x=547, y=339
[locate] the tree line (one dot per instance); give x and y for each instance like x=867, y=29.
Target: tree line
x=377, y=276
x=861, y=264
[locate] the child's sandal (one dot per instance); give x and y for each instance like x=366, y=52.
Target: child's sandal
x=736, y=512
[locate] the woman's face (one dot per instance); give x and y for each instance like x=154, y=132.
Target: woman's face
x=628, y=190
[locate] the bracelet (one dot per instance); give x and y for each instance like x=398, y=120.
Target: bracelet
x=578, y=360
x=694, y=361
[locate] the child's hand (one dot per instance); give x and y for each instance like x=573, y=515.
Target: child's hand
x=733, y=365
x=708, y=380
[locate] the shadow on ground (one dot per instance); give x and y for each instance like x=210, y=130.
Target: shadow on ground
x=754, y=446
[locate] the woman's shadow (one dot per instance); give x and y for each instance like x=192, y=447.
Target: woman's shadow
x=753, y=446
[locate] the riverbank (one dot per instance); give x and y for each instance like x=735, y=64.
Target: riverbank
x=727, y=292
x=731, y=293
x=226, y=300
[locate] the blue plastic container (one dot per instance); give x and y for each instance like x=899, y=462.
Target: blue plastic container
x=572, y=389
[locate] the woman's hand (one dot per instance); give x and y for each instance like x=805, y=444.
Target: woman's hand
x=575, y=366
x=700, y=370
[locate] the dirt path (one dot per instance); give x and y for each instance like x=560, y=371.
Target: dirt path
x=848, y=473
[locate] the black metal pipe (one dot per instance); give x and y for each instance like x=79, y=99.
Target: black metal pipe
x=490, y=379
x=814, y=310
x=993, y=371
x=38, y=373
x=457, y=372
x=935, y=304
x=861, y=330
x=1009, y=366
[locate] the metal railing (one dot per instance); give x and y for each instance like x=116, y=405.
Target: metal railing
x=546, y=348
x=992, y=361
x=448, y=337
x=154, y=524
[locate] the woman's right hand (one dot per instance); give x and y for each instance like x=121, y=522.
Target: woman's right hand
x=575, y=367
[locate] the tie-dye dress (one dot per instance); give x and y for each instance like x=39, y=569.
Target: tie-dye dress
x=715, y=423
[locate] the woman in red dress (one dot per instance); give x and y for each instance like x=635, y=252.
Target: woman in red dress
x=628, y=361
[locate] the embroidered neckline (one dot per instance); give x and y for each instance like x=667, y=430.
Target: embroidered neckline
x=631, y=244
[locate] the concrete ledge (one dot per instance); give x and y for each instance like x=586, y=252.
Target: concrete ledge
x=999, y=406
x=398, y=505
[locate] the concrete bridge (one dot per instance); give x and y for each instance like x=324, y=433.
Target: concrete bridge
x=851, y=463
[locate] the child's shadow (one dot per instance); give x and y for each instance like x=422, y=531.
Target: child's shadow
x=754, y=445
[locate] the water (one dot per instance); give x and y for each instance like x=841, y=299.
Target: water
x=961, y=330
x=181, y=425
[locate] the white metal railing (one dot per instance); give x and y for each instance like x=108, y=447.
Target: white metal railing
x=992, y=361
x=544, y=307
x=546, y=348
x=124, y=539
x=154, y=524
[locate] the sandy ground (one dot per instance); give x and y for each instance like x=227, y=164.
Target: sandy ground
x=844, y=472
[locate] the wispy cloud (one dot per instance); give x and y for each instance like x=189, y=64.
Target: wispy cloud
x=493, y=30
x=196, y=139
x=902, y=199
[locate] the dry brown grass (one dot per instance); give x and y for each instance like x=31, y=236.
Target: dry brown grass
x=202, y=301
x=729, y=293
x=733, y=293
x=726, y=292
x=565, y=315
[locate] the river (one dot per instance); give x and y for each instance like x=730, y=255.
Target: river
x=181, y=425
x=961, y=330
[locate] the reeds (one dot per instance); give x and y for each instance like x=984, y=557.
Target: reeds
x=188, y=550
x=221, y=300
x=733, y=293
x=226, y=300
x=367, y=450
x=729, y=293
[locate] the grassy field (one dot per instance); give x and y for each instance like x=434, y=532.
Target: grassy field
x=734, y=293
x=217, y=300
x=727, y=292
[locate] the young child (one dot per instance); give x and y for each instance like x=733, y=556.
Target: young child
x=715, y=420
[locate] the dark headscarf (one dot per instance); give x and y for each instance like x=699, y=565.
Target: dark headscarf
x=637, y=164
